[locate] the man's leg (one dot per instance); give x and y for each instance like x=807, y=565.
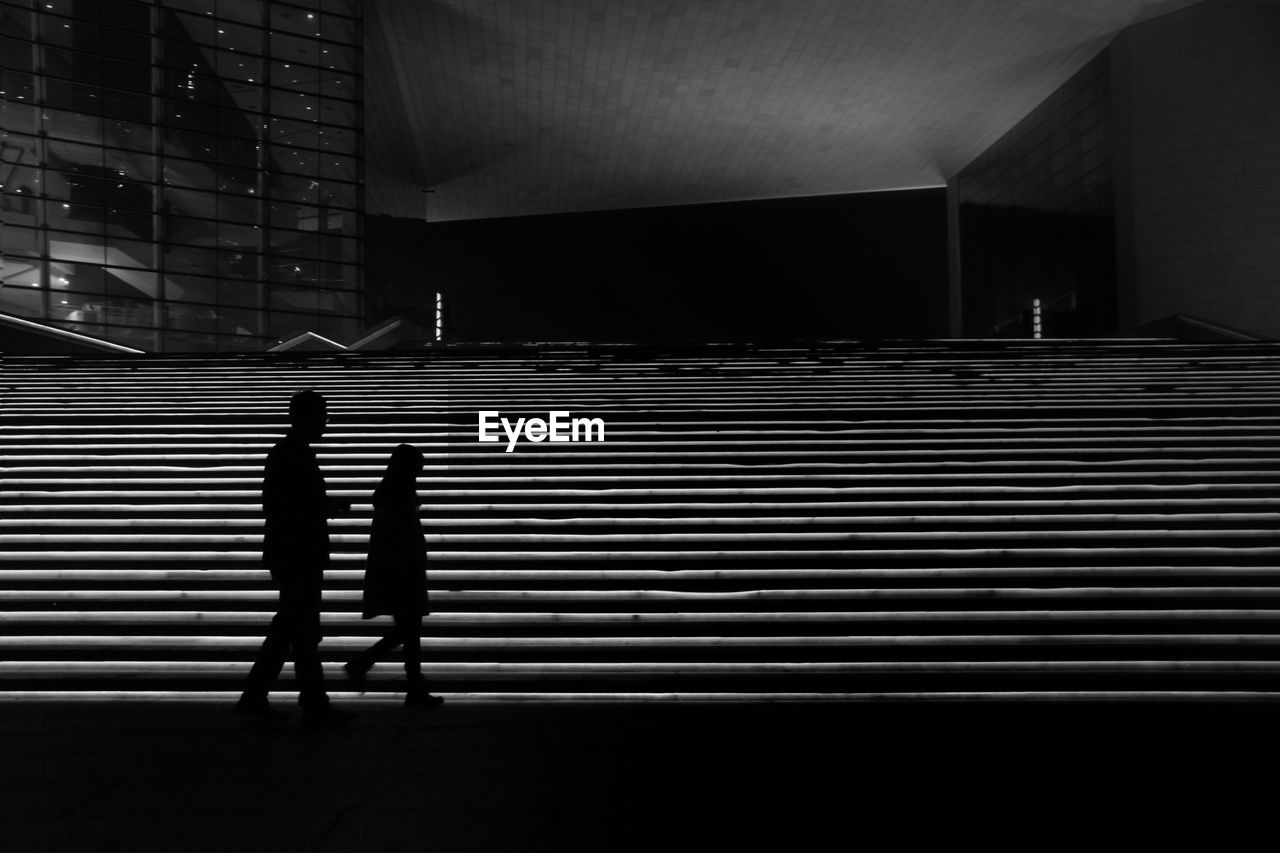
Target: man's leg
x=266, y=668
x=304, y=611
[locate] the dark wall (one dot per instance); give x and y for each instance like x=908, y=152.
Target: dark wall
x=1037, y=218
x=870, y=265
x=1197, y=96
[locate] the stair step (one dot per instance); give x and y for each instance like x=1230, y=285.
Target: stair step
x=939, y=520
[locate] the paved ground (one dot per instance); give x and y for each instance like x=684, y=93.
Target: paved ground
x=509, y=776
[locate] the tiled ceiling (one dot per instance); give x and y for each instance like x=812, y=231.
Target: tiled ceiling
x=518, y=107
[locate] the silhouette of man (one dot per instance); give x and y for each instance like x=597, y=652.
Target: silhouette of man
x=295, y=549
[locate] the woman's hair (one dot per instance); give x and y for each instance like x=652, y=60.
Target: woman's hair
x=406, y=461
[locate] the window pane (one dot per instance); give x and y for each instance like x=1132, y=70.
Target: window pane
x=191, y=288
x=130, y=165
x=76, y=97
x=338, y=113
x=343, y=7
x=188, y=116
x=337, y=57
x=242, y=153
x=179, y=142
x=292, y=20
x=143, y=339
x=295, y=133
x=130, y=76
x=299, y=217
x=120, y=133
x=190, y=259
x=294, y=49
x=132, y=283
x=17, y=56
x=21, y=160
x=124, y=14
x=68, y=33
x=339, y=140
x=239, y=321
x=337, y=194
x=238, y=38
x=239, y=208
x=298, y=106
x=17, y=22
x=339, y=29
x=78, y=277
x=72, y=64
x=338, y=84
x=285, y=325
x=241, y=265
x=240, y=66
x=20, y=114
x=186, y=202
x=79, y=248
x=67, y=187
x=295, y=188
x=22, y=301
x=341, y=329
x=188, y=84
x=190, y=173
x=243, y=237
x=125, y=252
x=248, y=295
x=80, y=217
x=123, y=222
x=132, y=106
x=239, y=123
x=20, y=208
x=198, y=232
x=132, y=47
x=290, y=76
x=339, y=166
x=19, y=241
x=248, y=98
x=299, y=160
x=186, y=27
x=242, y=11
x=68, y=155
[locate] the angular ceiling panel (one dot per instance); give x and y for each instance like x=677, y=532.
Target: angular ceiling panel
x=519, y=107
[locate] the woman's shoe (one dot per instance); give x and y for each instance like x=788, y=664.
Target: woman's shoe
x=356, y=671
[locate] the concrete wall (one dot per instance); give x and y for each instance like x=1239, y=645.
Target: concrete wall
x=1197, y=111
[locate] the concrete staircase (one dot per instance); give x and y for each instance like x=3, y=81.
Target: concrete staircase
x=1043, y=520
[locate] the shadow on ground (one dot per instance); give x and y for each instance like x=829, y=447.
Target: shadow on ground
x=516, y=776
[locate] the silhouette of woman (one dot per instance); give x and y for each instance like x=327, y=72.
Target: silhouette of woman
x=395, y=577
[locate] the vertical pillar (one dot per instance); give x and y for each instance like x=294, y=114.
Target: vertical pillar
x=955, y=289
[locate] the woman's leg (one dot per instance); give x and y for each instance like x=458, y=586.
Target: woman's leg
x=416, y=696
x=363, y=662
x=409, y=629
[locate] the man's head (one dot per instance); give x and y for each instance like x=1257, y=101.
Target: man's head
x=308, y=414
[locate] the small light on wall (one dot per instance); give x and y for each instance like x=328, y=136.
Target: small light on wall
x=1036, y=326
x=439, y=316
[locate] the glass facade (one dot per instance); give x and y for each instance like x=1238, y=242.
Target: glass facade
x=183, y=175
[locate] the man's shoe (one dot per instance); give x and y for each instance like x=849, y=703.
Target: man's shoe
x=250, y=706
x=422, y=700
x=325, y=717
